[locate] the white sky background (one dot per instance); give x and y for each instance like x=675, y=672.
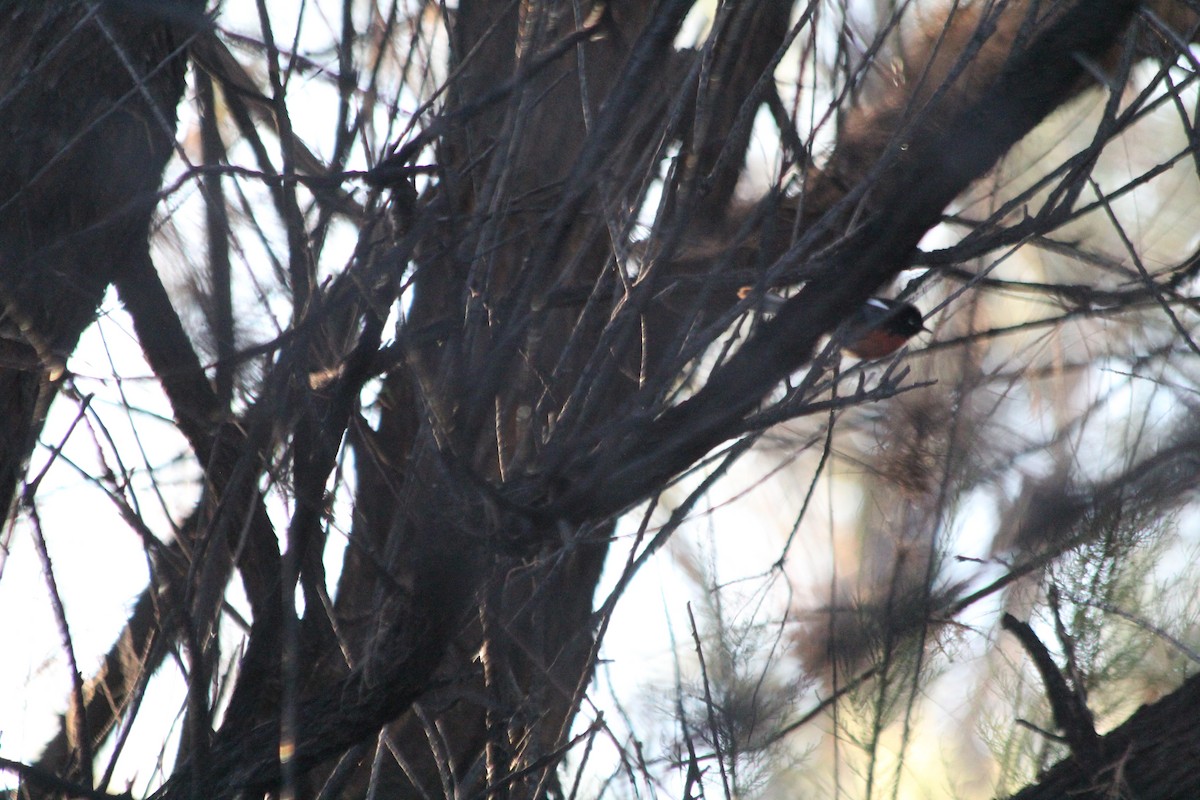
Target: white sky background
x=99, y=563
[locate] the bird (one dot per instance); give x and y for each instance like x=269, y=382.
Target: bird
x=878, y=328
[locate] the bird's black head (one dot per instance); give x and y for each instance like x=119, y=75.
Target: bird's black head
x=906, y=320
x=894, y=316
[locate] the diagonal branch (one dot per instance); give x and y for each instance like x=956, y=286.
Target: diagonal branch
x=940, y=159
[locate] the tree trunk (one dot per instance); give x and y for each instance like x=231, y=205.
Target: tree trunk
x=88, y=119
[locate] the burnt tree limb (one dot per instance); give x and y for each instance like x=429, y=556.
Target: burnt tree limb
x=1153, y=754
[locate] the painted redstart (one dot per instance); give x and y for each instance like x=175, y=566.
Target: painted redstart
x=879, y=328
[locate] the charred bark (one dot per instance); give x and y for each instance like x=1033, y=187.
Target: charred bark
x=88, y=117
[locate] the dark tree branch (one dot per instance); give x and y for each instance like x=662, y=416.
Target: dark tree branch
x=939, y=162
